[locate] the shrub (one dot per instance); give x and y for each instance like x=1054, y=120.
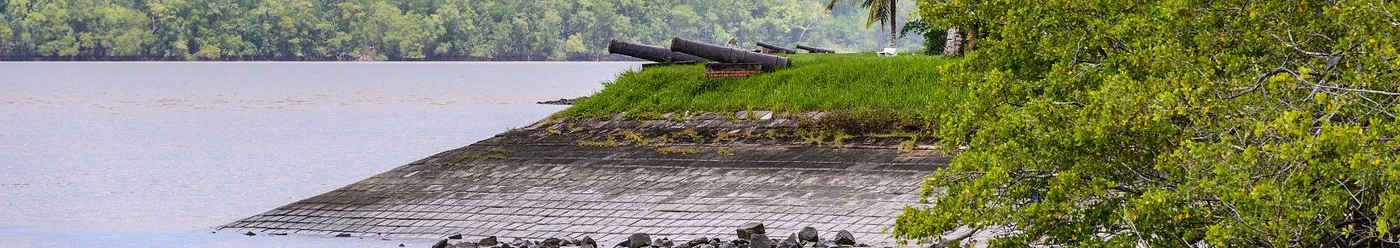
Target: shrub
x=1171, y=124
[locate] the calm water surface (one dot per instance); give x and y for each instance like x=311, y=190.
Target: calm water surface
x=156, y=154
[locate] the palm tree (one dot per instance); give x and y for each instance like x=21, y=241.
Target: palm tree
x=882, y=11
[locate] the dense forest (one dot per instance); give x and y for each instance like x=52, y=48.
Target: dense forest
x=410, y=29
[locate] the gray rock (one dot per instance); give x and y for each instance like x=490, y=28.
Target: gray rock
x=808, y=234
x=663, y=242
x=845, y=238
x=522, y=243
x=249, y=233
x=759, y=240
x=455, y=236
x=588, y=242
x=488, y=242
x=460, y=244
x=697, y=242
x=747, y=230
x=638, y=240
x=343, y=235
x=551, y=243
x=790, y=242
x=450, y=242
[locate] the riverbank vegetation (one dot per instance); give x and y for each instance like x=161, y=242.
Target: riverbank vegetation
x=1117, y=123
x=1170, y=124
x=408, y=30
x=871, y=92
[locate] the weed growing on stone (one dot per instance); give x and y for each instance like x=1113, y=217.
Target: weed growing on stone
x=908, y=145
x=677, y=150
x=694, y=136
x=838, y=137
x=724, y=151
x=610, y=141
x=635, y=138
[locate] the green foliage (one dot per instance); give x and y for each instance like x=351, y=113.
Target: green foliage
x=861, y=84
x=1170, y=124
x=934, y=38
x=405, y=30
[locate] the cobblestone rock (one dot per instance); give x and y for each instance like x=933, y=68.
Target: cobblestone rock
x=760, y=240
x=749, y=229
x=638, y=240
x=808, y=234
x=790, y=242
x=845, y=238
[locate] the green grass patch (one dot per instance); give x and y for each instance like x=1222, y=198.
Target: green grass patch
x=901, y=88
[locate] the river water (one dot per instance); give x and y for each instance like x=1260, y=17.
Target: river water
x=136, y=154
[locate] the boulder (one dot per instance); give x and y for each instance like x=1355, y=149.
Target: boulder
x=728, y=245
x=790, y=242
x=461, y=244
x=551, y=243
x=455, y=236
x=522, y=243
x=450, y=242
x=488, y=242
x=663, y=242
x=697, y=242
x=759, y=240
x=808, y=234
x=638, y=240
x=845, y=238
x=588, y=242
x=746, y=230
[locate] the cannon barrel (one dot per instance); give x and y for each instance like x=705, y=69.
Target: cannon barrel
x=815, y=49
x=728, y=55
x=654, y=54
x=776, y=48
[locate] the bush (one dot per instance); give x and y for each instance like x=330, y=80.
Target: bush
x=1170, y=124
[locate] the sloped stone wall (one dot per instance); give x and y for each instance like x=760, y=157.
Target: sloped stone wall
x=606, y=179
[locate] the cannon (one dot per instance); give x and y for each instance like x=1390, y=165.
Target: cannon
x=651, y=53
x=728, y=55
x=815, y=50
x=770, y=48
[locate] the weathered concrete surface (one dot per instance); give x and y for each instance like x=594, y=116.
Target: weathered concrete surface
x=542, y=182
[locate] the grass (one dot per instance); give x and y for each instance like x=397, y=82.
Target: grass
x=902, y=87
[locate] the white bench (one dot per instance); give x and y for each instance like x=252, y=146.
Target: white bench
x=888, y=52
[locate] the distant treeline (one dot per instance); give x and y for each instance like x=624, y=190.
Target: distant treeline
x=406, y=29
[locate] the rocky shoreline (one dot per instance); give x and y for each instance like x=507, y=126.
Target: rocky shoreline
x=749, y=235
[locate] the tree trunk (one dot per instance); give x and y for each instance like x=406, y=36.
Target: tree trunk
x=952, y=47
x=892, y=22
x=971, y=38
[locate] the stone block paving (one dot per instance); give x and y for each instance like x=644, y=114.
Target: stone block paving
x=538, y=190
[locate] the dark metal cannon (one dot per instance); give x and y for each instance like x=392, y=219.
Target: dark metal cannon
x=728, y=55
x=654, y=54
x=815, y=50
x=770, y=48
